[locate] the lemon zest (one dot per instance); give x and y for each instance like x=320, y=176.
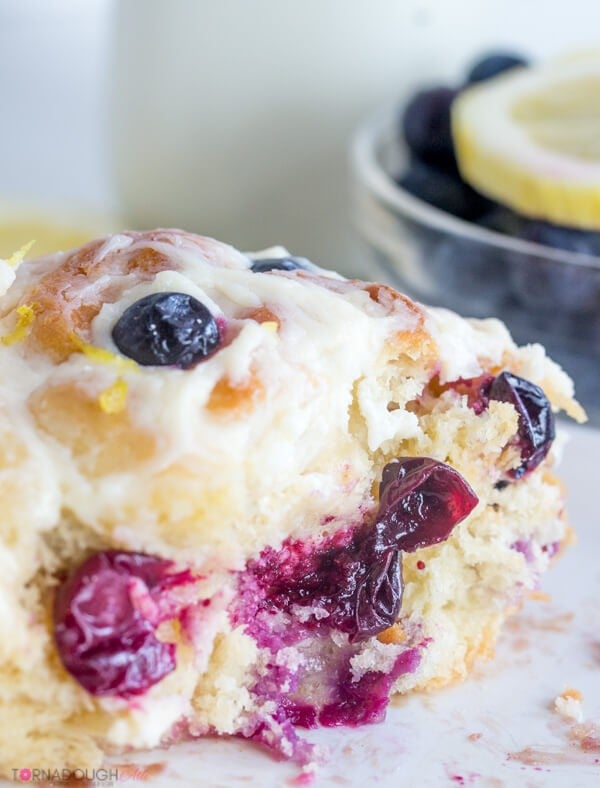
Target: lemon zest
x=26, y=316
x=114, y=399
x=103, y=356
x=17, y=257
x=270, y=325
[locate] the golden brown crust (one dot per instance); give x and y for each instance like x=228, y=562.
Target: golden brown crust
x=262, y=314
x=68, y=298
x=394, y=634
x=235, y=399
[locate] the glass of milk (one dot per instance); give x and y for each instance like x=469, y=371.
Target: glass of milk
x=232, y=117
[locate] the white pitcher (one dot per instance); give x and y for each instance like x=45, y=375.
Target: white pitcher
x=231, y=117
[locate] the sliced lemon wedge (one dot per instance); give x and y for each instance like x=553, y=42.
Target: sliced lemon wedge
x=530, y=138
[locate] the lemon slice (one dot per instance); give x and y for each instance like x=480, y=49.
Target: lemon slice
x=530, y=138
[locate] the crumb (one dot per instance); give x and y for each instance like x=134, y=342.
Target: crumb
x=540, y=596
x=587, y=736
x=474, y=736
x=569, y=705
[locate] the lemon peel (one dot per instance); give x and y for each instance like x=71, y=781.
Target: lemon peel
x=270, y=325
x=113, y=400
x=103, y=356
x=17, y=257
x=26, y=316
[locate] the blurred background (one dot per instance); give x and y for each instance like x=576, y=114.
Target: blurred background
x=230, y=117
x=236, y=119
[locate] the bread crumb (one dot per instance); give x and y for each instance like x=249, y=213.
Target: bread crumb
x=569, y=705
x=540, y=596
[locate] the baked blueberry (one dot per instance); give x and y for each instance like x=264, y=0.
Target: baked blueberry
x=266, y=264
x=105, y=618
x=358, y=583
x=420, y=502
x=536, y=420
x=167, y=329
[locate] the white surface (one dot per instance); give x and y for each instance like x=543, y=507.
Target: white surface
x=547, y=648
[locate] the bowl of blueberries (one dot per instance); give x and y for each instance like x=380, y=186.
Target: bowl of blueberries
x=432, y=234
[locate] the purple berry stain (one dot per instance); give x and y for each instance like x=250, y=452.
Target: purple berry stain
x=105, y=619
x=349, y=583
x=354, y=580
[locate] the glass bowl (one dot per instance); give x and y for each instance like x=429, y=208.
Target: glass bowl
x=544, y=295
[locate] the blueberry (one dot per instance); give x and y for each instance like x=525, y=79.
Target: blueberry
x=420, y=502
x=266, y=264
x=426, y=126
x=502, y=220
x=547, y=285
x=105, y=618
x=167, y=329
x=536, y=420
x=560, y=237
x=465, y=269
x=494, y=64
x=358, y=583
x=476, y=390
x=444, y=191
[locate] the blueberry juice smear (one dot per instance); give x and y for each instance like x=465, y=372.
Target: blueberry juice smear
x=328, y=599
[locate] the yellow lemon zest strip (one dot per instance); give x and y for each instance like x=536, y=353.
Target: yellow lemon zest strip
x=18, y=256
x=102, y=356
x=114, y=399
x=26, y=315
x=270, y=325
